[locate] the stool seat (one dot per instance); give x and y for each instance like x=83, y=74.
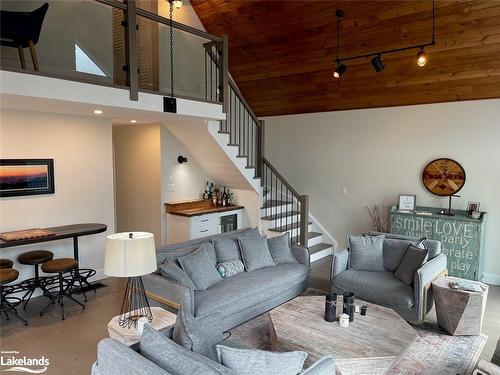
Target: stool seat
x=8, y=275
x=59, y=265
x=35, y=257
x=6, y=263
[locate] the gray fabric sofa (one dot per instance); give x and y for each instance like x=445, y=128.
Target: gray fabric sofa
x=411, y=302
x=116, y=358
x=238, y=298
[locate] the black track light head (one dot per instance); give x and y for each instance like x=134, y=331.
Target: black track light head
x=377, y=63
x=339, y=71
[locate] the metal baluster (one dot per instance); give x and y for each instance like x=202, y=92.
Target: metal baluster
x=206, y=83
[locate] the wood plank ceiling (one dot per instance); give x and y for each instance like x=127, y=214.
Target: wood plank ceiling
x=282, y=52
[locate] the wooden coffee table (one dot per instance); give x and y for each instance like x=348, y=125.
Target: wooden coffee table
x=368, y=346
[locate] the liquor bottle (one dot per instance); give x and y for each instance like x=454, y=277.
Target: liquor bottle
x=215, y=192
x=224, y=198
x=219, y=197
x=205, y=194
x=211, y=190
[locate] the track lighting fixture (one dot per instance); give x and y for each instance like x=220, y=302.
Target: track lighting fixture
x=339, y=71
x=376, y=61
x=421, y=57
x=378, y=65
x=177, y=3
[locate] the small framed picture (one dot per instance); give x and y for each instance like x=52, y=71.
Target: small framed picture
x=472, y=207
x=20, y=177
x=407, y=202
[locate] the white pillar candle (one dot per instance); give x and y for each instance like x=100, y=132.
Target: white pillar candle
x=344, y=320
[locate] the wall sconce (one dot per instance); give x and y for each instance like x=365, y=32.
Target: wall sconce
x=182, y=159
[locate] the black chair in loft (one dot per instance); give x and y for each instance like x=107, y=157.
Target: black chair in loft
x=21, y=30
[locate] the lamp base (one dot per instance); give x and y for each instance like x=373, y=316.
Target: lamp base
x=135, y=304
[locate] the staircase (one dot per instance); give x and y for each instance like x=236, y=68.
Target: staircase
x=283, y=209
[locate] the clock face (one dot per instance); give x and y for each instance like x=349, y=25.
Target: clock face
x=443, y=177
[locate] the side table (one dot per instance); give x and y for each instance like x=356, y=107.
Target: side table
x=459, y=312
x=161, y=320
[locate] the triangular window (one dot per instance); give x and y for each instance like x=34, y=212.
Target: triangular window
x=85, y=64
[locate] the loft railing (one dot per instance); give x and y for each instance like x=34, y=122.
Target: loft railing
x=123, y=44
x=288, y=208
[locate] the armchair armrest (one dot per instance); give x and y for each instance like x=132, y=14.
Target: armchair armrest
x=339, y=262
x=301, y=253
x=169, y=292
x=424, y=276
x=487, y=368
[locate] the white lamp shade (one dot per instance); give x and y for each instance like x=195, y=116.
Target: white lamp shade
x=129, y=256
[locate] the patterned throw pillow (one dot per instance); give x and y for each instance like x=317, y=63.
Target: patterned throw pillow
x=230, y=268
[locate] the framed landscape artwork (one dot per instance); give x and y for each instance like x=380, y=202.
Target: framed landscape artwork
x=20, y=177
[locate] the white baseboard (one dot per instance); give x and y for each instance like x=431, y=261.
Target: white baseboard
x=492, y=279
x=99, y=275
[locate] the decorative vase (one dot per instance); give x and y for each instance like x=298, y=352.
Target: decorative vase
x=331, y=307
x=349, y=306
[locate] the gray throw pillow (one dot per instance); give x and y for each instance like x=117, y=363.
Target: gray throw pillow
x=230, y=268
x=255, y=253
x=253, y=361
x=199, y=268
x=279, y=247
x=395, y=249
x=226, y=249
x=171, y=270
x=173, y=358
x=367, y=253
x=411, y=262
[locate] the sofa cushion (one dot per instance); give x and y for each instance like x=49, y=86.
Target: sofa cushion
x=367, y=253
x=248, y=288
x=226, y=249
x=255, y=252
x=395, y=249
x=171, y=270
x=173, y=358
x=230, y=268
x=413, y=259
x=200, y=268
x=433, y=246
x=379, y=287
x=254, y=361
x=279, y=247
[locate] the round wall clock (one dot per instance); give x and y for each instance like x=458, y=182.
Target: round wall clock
x=443, y=177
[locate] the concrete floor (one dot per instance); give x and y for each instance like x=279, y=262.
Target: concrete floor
x=70, y=345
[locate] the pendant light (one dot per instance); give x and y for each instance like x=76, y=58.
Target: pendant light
x=341, y=68
x=421, y=58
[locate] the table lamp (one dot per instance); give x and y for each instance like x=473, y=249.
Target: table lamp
x=131, y=254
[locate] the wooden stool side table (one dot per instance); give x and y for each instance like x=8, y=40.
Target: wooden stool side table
x=459, y=312
x=129, y=336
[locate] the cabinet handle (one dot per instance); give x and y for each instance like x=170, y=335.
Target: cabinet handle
x=204, y=220
x=205, y=230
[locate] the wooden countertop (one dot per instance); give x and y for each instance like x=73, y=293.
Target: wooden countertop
x=195, y=208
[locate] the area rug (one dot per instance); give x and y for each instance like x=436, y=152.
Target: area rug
x=432, y=352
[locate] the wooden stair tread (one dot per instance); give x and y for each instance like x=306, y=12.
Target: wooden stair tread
x=319, y=247
x=281, y=215
x=285, y=228
x=275, y=203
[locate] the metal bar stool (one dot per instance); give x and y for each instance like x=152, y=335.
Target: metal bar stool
x=34, y=258
x=6, y=263
x=8, y=303
x=61, y=266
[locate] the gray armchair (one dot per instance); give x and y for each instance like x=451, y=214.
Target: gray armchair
x=411, y=302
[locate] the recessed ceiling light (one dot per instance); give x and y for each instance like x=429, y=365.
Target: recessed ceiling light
x=97, y=112
x=133, y=121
